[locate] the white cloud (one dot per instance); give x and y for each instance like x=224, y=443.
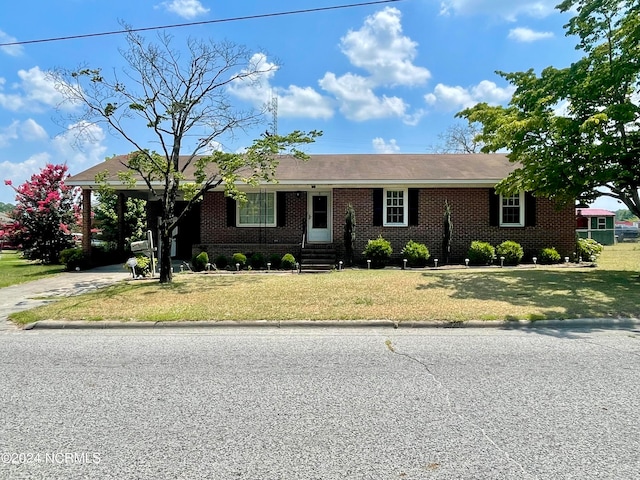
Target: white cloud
x=448, y=97
x=32, y=131
x=526, y=35
x=28, y=130
x=358, y=101
x=380, y=146
x=293, y=101
x=35, y=91
x=12, y=50
x=20, y=172
x=185, y=8
x=80, y=145
x=8, y=134
x=507, y=9
x=380, y=48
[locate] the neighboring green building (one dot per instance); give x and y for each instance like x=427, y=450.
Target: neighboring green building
x=597, y=224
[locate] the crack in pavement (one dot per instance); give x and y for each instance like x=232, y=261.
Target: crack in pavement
x=450, y=405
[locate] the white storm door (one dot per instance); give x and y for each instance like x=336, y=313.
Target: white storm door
x=319, y=217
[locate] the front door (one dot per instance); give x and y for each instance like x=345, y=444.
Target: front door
x=319, y=217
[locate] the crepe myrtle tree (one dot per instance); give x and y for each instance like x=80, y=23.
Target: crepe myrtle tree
x=183, y=101
x=46, y=211
x=575, y=131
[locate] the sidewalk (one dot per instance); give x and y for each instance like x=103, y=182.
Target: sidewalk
x=39, y=292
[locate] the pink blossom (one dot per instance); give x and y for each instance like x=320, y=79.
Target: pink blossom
x=8, y=182
x=64, y=228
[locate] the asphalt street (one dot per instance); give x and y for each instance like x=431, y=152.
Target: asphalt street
x=319, y=403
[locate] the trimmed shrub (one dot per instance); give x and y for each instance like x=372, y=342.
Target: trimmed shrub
x=240, y=258
x=221, y=262
x=257, y=261
x=588, y=247
x=481, y=253
x=511, y=251
x=549, y=256
x=416, y=254
x=200, y=261
x=275, y=261
x=73, y=258
x=378, y=251
x=288, y=261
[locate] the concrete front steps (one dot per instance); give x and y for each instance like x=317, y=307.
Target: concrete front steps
x=317, y=257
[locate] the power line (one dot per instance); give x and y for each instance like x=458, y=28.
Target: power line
x=205, y=22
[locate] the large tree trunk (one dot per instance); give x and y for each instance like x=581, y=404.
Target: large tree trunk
x=166, y=270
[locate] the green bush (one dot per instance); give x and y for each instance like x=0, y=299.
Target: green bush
x=240, y=258
x=275, y=261
x=288, y=261
x=378, y=251
x=142, y=265
x=480, y=253
x=257, y=261
x=73, y=258
x=200, y=261
x=549, y=256
x=221, y=262
x=588, y=247
x=511, y=251
x=416, y=254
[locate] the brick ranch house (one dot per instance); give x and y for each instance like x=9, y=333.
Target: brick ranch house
x=399, y=196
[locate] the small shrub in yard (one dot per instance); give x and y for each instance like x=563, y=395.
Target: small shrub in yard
x=73, y=258
x=221, y=262
x=511, y=251
x=480, y=253
x=257, y=261
x=275, y=261
x=588, y=247
x=416, y=254
x=240, y=258
x=200, y=261
x=549, y=256
x=142, y=265
x=378, y=251
x=288, y=261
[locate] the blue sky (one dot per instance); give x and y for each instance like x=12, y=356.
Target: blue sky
x=381, y=78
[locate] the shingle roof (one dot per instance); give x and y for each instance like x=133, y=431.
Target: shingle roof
x=360, y=169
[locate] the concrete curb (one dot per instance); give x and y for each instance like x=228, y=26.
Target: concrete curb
x=613, y=323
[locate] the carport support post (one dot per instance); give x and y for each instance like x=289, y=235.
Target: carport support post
x=86, y=222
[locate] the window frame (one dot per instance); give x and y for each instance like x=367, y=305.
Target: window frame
x=386, y=206
x=521, y=206
x=240, y=205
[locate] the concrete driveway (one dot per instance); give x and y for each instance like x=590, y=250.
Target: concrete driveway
x=39, y=292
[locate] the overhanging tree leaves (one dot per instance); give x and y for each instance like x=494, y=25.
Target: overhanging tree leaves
x=185, y=106
x=576, y=130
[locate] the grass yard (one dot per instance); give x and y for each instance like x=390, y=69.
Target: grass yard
x=610, y=290
x=15, y=270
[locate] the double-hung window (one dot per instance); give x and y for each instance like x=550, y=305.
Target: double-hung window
x=258, y=211
x=395, y=207
x=512, y=210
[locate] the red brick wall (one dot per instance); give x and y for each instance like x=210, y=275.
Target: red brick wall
x=470, y=217
x=214, y=229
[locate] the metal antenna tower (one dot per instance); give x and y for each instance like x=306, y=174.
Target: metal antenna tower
x=273, y=108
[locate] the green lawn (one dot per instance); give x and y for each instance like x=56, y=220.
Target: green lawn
x=611, y=289
x=15, y=270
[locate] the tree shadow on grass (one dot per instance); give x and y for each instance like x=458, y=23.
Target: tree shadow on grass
x=563, y=293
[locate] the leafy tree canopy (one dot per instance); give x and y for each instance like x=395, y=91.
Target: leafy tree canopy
x=575, y=131
x=181, y=97
x=6, y=207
